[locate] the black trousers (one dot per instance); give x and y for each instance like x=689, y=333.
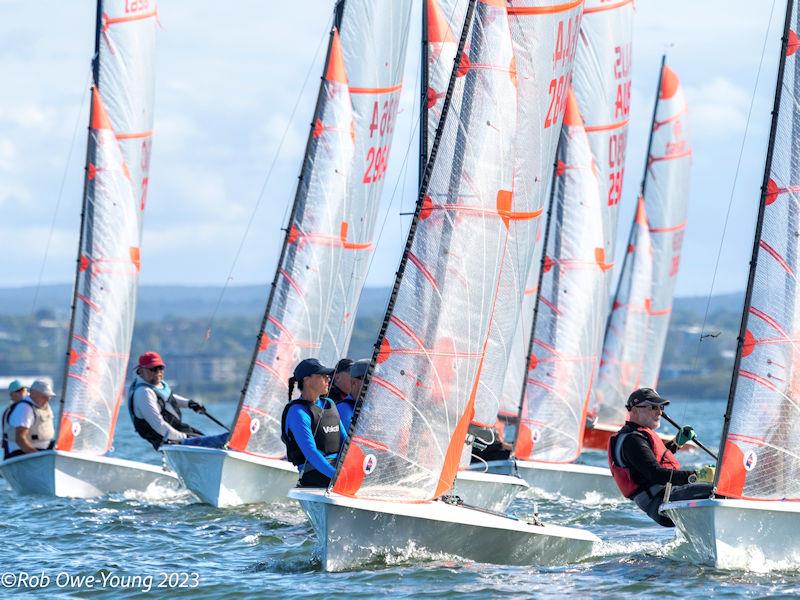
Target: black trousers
x=313, y=478
x=691, y=491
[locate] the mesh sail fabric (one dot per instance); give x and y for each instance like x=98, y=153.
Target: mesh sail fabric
x=665, y=202
x=373, y=45
x=761, y=455
x=601, y=80
x=545, y=36
x=445, y=19
x=627, y=343
x=314, y=266
x=115, y=193
x=419, y=402
x=570, y=314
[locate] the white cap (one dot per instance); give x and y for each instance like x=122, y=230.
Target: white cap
x=42, y=387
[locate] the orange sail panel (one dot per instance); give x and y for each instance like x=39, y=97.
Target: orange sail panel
x=329, y=237
x=760, y=457
x=571, y=311
x=409, y=438
x=637, y=330
x=120, y=131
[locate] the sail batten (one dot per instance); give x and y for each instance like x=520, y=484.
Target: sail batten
x=109, y=256
x=328, y=242
x=759, y=458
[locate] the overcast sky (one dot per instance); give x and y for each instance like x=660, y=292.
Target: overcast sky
x=229, y=76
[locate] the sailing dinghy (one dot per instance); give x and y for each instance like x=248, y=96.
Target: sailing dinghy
x=104, y=304
x=418, y=399
x=754, y=517
x=637, y=328
x=325, y=255
x=571, y=302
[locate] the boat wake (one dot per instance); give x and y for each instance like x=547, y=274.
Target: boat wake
x=160, y=493
x=750, y=559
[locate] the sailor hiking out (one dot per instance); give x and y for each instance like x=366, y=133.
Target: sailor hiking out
x=310, y=425
x=28, y=422
x=154, y=409
x=642, y=464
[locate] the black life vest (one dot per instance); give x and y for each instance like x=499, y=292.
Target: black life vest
x=169, y=410
x=324, y=428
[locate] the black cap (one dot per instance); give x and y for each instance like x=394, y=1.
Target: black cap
x=308, y=367
x=360, y=368
x=344, y=365
x=645, y=396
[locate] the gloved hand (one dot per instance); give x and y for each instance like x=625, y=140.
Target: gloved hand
x=197, y=407
x=706, y=474
x=685, y=435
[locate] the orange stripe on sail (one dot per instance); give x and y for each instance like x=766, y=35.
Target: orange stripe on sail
x=543, y=10
x=594, y=9
x=376, y=90
x=677, y=227
x=108, y=21
x=609, y=127
x=134, y=136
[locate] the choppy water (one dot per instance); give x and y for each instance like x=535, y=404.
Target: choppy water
x=128, y=542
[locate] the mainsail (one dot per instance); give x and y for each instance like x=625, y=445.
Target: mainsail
x=328, y=244
x=570, y=316
x=420, y=398
x=115, y=190
x=601, y=80
x=637, y=328
x=761, y=443
x=545, y=37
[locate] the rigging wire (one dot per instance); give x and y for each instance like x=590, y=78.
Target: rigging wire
x=267, y=177
x=703, y=334
x=60, y=194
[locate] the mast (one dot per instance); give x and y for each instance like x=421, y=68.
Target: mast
x=756, y=240
x=287, y=249
x=423, y=98
x=86, y=212
x=423, y=190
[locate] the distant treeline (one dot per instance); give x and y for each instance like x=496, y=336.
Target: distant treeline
x=177, y=321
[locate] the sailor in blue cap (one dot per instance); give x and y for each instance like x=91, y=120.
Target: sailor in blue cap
x=310, y=425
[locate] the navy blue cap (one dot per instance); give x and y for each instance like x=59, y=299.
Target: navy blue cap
x=343, y=366
x=308, y=367
x=360, y=368
x=646, y=396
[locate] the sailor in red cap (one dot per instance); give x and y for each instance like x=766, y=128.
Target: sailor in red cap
x=154, y=409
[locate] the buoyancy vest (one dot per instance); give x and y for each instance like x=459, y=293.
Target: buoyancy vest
x=168, y=409
x=324, y=428
x=622, y=472
x=41, y=432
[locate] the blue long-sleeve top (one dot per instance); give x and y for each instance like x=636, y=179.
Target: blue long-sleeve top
x=345, y=409
x=298, y=421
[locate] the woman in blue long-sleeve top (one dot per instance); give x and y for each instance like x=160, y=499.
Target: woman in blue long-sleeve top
x=310, y=425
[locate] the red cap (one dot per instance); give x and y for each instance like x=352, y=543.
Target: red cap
x=149, y=360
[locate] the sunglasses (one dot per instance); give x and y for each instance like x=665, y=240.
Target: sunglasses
x=154, y=368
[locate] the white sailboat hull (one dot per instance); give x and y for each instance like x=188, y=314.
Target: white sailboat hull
x=568, y=480
x=739, y=534
x=71, y=475
x=490, y=491
x=353, y=531
x=225, y=478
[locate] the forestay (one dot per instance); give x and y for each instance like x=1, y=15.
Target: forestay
x=328, y=242
x=545, y=36
x=563, y=359
x=420, y=397
x=761, y=451
x=640, y=313
x=115, y=190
